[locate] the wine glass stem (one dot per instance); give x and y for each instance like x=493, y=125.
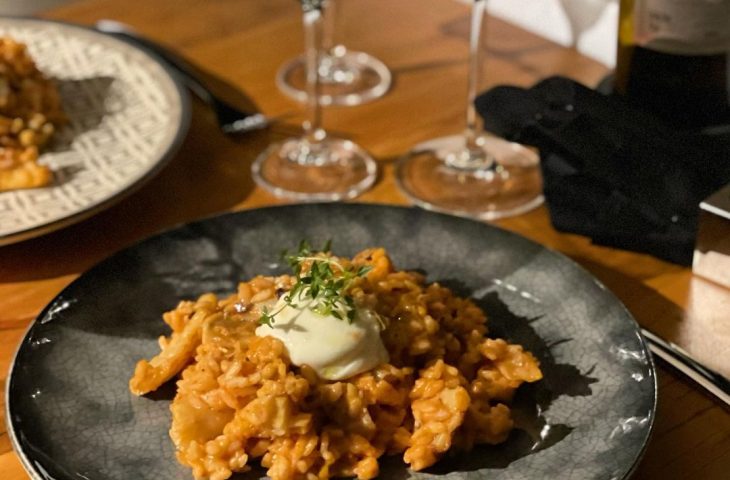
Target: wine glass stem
x=475, y=61
x=313, y=132
x=328, y=29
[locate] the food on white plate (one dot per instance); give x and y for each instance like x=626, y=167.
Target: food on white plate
x=30, y=112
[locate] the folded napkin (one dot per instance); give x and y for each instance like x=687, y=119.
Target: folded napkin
x=612, y=172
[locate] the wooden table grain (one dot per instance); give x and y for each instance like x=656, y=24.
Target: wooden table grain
x=424, y=42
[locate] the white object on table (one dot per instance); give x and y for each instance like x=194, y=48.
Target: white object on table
x=593, y=21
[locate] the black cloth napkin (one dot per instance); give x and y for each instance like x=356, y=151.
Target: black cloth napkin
x=612, y=172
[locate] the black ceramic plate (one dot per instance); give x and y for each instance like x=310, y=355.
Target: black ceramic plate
x=70, y=414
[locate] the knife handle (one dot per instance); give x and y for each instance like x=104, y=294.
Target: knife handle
x=188, y=73
x=709, y=379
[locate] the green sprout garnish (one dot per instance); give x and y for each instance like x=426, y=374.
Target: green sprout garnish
x=324, y=286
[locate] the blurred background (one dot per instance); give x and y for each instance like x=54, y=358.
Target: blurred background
x=27, y=7
x=588, y=25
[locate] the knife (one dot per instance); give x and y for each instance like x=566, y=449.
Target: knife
x=710, y=380
x=231, y=119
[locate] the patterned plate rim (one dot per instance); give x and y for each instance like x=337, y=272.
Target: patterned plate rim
x=180, y=96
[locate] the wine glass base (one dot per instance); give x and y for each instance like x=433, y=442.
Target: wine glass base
x=512, y=185
x=338, y=170
x=346, y=78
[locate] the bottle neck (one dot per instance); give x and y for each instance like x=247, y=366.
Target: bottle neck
x=670, y=63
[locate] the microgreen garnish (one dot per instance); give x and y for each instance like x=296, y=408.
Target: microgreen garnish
x=323, y=286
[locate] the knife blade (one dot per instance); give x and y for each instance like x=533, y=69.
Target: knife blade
x=709, y=379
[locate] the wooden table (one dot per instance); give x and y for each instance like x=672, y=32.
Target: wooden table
x=424, y=43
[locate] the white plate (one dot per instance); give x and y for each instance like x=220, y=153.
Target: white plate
x=127, y=116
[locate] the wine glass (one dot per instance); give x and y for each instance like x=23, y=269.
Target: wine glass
x=315, y=166
x=472, y=174
x=346, y=77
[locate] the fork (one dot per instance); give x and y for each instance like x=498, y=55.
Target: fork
x=231, y=119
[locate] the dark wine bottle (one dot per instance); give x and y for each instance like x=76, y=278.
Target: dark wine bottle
x=674, y=59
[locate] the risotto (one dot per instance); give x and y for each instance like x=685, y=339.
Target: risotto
x=30, y=111
x=444, y=385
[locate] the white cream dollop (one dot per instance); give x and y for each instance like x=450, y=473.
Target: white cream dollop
x=335, y=349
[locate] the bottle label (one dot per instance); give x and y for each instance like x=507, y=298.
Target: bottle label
x=684, y=27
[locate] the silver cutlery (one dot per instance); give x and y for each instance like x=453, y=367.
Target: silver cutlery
x=231, y=119
x=707, y=378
